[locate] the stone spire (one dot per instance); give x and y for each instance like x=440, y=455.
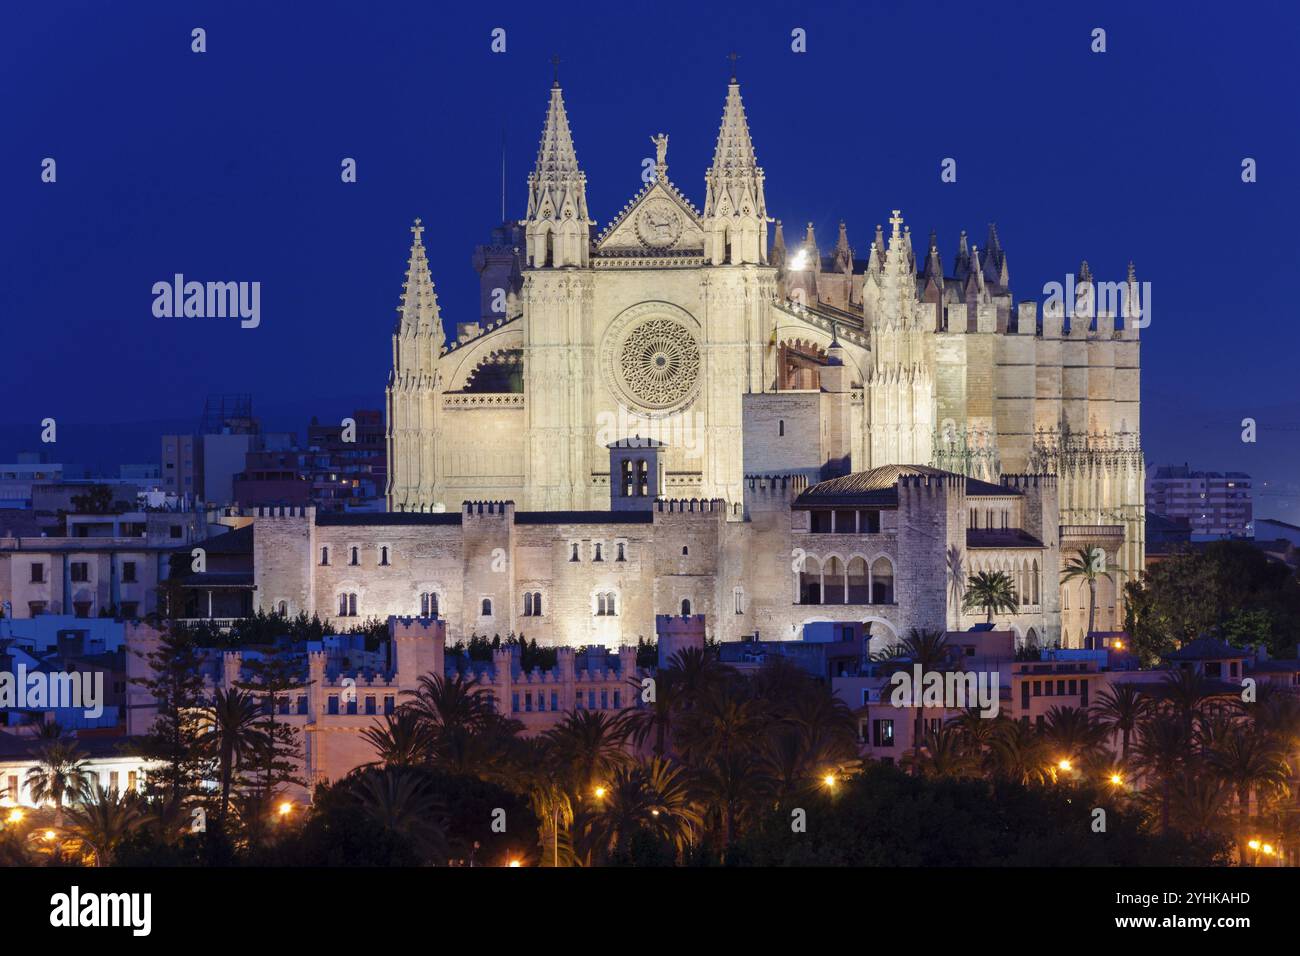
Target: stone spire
x=735, y=208
x=961, y=265
x=557, y=228
x=933, y=263
x=995, y=262
x=813, y=255
x=418, y=312
x=778, y=247
x=843, y=251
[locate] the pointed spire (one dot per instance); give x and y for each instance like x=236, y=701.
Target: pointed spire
x=1085, y=272
x=933, y=262
x=777, y=258
x=735, y=208
x=418, y=310
x=557, y=194
x=843, y=251
x=961, y=265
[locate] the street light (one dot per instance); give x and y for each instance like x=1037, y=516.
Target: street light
x=1065, y=765
x=829, y=780
x=515, y=863
x=1116, y=779
x=15, y=816
x=600, y=793
x=286, y=808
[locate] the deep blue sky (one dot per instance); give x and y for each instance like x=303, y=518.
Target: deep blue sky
x=225, y=166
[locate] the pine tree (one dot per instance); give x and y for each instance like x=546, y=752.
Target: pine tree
x=176, y=686
x=272, y=678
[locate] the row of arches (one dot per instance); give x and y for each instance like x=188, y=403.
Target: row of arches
x=834, y=580
x=1025, y=574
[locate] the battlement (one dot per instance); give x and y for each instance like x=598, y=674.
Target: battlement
x=285, y=511
x=470, y=509
x=1029, y=481
x=691, y=505
x=931, y=485
x=793, y=484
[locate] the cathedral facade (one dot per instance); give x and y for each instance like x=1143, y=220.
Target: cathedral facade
x=687, y=354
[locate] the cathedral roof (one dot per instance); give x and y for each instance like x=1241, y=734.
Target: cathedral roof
x=879, y=486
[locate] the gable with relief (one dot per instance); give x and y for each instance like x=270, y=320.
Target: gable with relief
x=658, y=221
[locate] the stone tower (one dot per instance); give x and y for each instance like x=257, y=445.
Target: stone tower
x=558, y=348
x=899, y=404
x=414, y=391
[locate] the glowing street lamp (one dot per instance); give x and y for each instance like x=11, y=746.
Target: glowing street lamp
x=600, y=793
x=15, y=816
x=49, y=835
x=1254, y=845
x=1116, y=779
x=285, y=808
x=1065, y=765
x=830, y=781
x=515, y=863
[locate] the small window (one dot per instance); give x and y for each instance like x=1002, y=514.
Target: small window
x=685, y=550
x=620, y=552
x=355, y=556
x=739, y=594
x=686, y=608
x=128, y=572
x=486, y=609
x=80, y=571
x=780, y=428
x=324, y=556
x=383, y=557
x=598, y=552
x=573, y=551
x=176, y=529
x=528, y=604
x=38, y=573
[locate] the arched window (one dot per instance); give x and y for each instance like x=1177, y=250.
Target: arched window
x=685, y=550
x=283, y=609
x=833, y=581
x=810, y=582
x=686, y=608
x=355, y=557
x=486, y=609
x=882, y=581
x=347, y=605
x=739, y=595
x=573, y=551
x=528, y=604
x=627, y=478
x=325, y=555
x=780, y=428
x=611, y=604
x=598, y=556
x=428, y=604
x=383, y=555
x=642, y=478
x=857, y=577
x=537, y=604
x=1034, y=582
x=620, y=553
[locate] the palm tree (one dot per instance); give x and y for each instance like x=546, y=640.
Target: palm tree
x=233, y=735
x=61, y=773
x=1017, y=753
x=930, y=650
x=103, y=819
x=589, y=747
x=1161, y=752
x=730, y=784
x=956, y=580
x=993, y=591
x=548, y=796
x=402, y=801
x=1073, y=734
x=657, y=717
x=1120, y=707
x=449, y=704
x=650, y=797
x=943, y=753
x=1089, y=565
x=725, y=718
x=402, y=740
x=1249, y=763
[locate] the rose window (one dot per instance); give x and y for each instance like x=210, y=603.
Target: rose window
x=659, y=363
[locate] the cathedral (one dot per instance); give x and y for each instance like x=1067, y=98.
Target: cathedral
x=690, y=369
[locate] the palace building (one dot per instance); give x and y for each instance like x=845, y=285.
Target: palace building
x=680, y=413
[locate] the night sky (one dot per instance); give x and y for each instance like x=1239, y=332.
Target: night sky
x=225, y=166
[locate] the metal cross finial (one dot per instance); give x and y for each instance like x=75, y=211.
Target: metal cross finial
x=896, y=220
x=733, y=56
x=555, y=68
x=417, y=230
